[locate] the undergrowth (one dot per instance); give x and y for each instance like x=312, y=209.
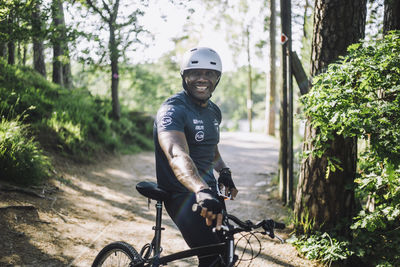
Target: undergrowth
x=358, y=97
x=72, y=123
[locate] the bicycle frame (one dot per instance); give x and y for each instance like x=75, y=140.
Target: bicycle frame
x=150, y=254
x=225, y=249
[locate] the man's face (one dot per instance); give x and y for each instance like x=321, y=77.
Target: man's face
x=201, y=83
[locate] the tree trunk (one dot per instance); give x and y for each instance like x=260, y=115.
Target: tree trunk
x=10, y=43
x=116, y=112
x=3, y=49
x=324, y=196
x=391, y=18
x=272, y=70
x=11, y=52
x=38, y=47
x=249, y=83
x=57, y=44
x=66, y=65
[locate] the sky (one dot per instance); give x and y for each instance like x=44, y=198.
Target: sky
x=171, y=26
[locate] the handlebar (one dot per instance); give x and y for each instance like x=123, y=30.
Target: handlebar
x=267, y=225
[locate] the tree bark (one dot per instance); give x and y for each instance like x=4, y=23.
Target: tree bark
x=272, y=70
x=116, y=110
x=10, y=43
x=66, y=65
x=3, y=49
x=249, y=83
x=57, y=49
x=391, y=18
x=11, y=52
x=324, y=196
x=38, y=47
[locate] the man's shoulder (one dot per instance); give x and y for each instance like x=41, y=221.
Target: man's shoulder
x=173, y=107
x=214, y=107
x=177, y=99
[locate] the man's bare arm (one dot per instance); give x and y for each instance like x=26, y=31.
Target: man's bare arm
x=176, y=149
x=218, y=162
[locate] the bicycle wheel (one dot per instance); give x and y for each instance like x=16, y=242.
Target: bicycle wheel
x=118, y=254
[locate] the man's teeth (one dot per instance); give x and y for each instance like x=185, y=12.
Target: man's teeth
x=201, y=87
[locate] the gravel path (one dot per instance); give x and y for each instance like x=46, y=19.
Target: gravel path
x=97, y=204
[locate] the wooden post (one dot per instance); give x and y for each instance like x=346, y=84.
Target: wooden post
x=283, y=129
x=289, y=191
x=299, y=74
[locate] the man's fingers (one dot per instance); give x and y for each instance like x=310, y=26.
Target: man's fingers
x=234, y=192
x=219, y=221
x=203, y=212
x=211, y=215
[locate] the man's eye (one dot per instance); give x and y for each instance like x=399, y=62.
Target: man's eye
x=210, y=74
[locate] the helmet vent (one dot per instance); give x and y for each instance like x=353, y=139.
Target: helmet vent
x=195, y=62
x=213, y=63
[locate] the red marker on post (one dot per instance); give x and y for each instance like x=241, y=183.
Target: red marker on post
x=284, y=38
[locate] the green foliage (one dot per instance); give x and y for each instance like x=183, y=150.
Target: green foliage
x=69, y=121
x=21, y=159
x=231, y=95
x=322, y=247
x=376, y=229
x=359, y=97
x=15, y=18
x=148, y=85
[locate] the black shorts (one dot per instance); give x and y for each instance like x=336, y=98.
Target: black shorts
x=191, y=225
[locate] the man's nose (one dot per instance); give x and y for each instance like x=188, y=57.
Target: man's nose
x=203, y=76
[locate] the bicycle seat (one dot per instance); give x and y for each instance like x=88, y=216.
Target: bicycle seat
x=152, y=191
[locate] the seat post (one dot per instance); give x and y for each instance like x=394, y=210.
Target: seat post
x=158, y=228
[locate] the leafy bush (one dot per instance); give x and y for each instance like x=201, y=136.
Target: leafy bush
x=21, y=160
x=359, y=97
x=72, y=122
x=322, y=247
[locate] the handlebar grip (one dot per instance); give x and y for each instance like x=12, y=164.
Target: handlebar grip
x=279, y=225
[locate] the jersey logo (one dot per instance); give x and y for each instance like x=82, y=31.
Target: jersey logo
x=199, y=127
x=165, y=121
x=199, y=136
x=195, y=121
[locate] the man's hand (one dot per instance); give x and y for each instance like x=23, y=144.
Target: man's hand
x=211, y=208
x=225, y=181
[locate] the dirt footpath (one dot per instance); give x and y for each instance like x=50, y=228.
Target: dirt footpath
x=66, y=223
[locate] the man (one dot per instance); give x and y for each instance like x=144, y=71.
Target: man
x=186, y=135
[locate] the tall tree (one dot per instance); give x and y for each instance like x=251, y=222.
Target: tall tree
x=15, y=26
x=119, y=27
x=391, y=18
x=323, y=194
x=61, y=59
x=37, y=39
x=272, y=69
x=57, y=43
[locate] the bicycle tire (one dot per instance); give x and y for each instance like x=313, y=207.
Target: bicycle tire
x=118, y=254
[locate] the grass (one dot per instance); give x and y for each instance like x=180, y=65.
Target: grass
x=38, y=116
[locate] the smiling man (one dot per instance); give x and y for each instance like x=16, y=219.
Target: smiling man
x=186, y=137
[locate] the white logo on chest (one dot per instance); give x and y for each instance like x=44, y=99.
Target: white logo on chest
x=199, y=136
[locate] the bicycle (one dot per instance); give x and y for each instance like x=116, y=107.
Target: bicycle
x=123, y=254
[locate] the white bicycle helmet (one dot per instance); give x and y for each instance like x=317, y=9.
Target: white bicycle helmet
x=201, y=58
